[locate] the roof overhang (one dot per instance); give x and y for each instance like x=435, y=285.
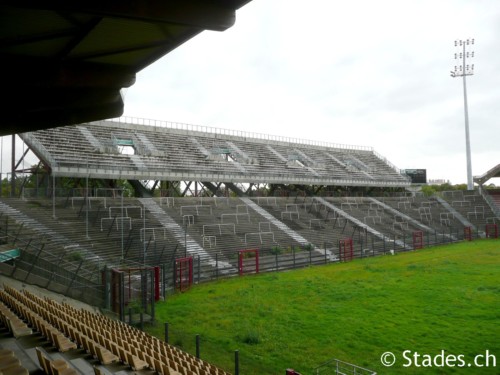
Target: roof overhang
x=65, y=62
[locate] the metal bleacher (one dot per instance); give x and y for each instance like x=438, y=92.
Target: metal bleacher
x=170, y=151
x=68, y=240
x=68, y=251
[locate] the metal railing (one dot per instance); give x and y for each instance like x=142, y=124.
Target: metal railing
x=229, y=132
x=489, y=201
x=338, y=367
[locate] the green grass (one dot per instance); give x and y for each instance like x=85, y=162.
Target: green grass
x=440, y=298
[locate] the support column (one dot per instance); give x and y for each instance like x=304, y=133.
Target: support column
x=13, y=168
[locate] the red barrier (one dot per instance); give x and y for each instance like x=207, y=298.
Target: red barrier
x=418, y=240
x=183, y=273
x=468, y=233
x=242, y=254
x=345, y=249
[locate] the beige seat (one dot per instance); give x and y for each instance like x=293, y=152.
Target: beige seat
x=17, y=370
x=8, y=361
x=62, y=343
x=48, y=366
x=135, y=362
x=105, y=356
x=65, y=371
x=98, y=370
x=6, y=352
x=18, y=328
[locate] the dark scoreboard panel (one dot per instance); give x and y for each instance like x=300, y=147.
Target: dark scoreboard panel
x=418, y=176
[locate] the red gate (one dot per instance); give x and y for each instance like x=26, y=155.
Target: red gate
x=418, y=240
x=345, y=249
x=245, y=254
x=183, y=273
x=468, y=233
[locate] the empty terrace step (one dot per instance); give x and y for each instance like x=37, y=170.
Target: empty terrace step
x=356, y=221
x=459, y=216
x=286, y=229
x=399, y=213
x=36, y=226
x=178, y=232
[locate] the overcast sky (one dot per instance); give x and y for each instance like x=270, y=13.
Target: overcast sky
x=360, y=72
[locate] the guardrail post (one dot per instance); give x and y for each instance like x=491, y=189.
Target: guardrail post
x=198, y=346
x=236, y=362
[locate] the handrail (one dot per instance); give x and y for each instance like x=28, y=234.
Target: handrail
x=490, y=173
x=384, y=159
x=489, y=201
x=245, y=134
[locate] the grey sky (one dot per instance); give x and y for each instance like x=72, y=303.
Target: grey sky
x=361, y=72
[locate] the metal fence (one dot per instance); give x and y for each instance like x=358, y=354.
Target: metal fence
x=338, y=367
x=288, y=257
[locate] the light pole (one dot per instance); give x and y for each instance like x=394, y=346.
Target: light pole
x=464, y=70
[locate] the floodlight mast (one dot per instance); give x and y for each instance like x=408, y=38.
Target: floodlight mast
x=463, y=71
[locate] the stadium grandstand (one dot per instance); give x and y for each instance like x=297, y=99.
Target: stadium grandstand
x=203, y=203
x=172, y=235
x=67, y=64
x=79, y=234
x=124, y=149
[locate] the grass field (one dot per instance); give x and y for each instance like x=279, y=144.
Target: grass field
x=427, y=301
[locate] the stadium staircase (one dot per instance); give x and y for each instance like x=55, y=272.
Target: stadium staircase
x=301, y=240
x=495, y=195
x=356, y=221
x=408, y=219
x=492, y=198
x=472, y=206
x=457, y=215
x=192, y=247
